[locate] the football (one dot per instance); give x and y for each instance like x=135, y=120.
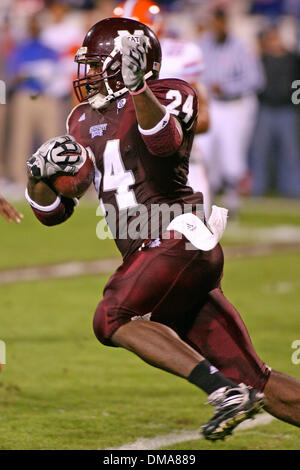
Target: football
x=74, y=185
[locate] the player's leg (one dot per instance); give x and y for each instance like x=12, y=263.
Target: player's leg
x=283, y=397
x=161, y=347
x=221, y=336
x=163, y=281
x=158, y=345
x=157, y=280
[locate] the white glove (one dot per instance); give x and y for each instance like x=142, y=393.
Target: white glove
x=134, y=62
x=58, y=155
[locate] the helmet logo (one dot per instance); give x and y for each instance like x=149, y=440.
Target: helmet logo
x=121, y=103
x=137, y=36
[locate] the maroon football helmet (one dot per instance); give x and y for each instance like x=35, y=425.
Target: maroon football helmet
x=101, y=50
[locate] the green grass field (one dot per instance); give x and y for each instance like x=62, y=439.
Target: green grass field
x=61, y=389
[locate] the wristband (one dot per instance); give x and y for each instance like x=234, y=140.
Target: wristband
x=35, y=205
x=134, y=93
x=158, y=127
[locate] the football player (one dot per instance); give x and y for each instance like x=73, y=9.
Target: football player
x=9, y=212
x=164, y=303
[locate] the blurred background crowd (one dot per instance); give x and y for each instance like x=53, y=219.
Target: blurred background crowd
x=250, y=65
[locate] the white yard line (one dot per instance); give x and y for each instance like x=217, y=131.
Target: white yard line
x=59, y=271
x=106, y=266
x=160, y=442
x=276, y=234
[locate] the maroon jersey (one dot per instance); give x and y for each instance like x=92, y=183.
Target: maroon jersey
x=128, y=178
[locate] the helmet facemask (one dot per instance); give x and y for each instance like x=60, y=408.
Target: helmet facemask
x=101, y=50
x=101, y=87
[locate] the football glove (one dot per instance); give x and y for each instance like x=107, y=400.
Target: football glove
x=134, y=62
x=58, y=155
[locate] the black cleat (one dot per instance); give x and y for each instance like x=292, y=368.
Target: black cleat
x=233, y=406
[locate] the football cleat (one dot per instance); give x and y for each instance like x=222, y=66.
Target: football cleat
x=233, y=406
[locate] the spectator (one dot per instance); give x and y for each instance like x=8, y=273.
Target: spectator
x=64, y=27
x=232, y=75
x=34, y=110
x=277, y=129
x=64, y=33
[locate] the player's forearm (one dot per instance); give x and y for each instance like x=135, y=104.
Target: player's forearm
x=149, y=111
x=40, y=192
x=48, y=207
x=58, y=155
x=161, y=132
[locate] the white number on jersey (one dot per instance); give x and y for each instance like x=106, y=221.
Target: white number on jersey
x=187, y=107
x=116, y=177
x=176, y=95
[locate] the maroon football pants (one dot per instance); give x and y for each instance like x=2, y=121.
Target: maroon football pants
x=220, y=335
x=180, y=288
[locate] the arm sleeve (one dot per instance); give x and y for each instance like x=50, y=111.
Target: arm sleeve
x=165, y=138
x=58, y=212
x=179, y=98
x=181, y=103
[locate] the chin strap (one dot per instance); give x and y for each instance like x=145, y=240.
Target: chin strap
x=100, y=101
